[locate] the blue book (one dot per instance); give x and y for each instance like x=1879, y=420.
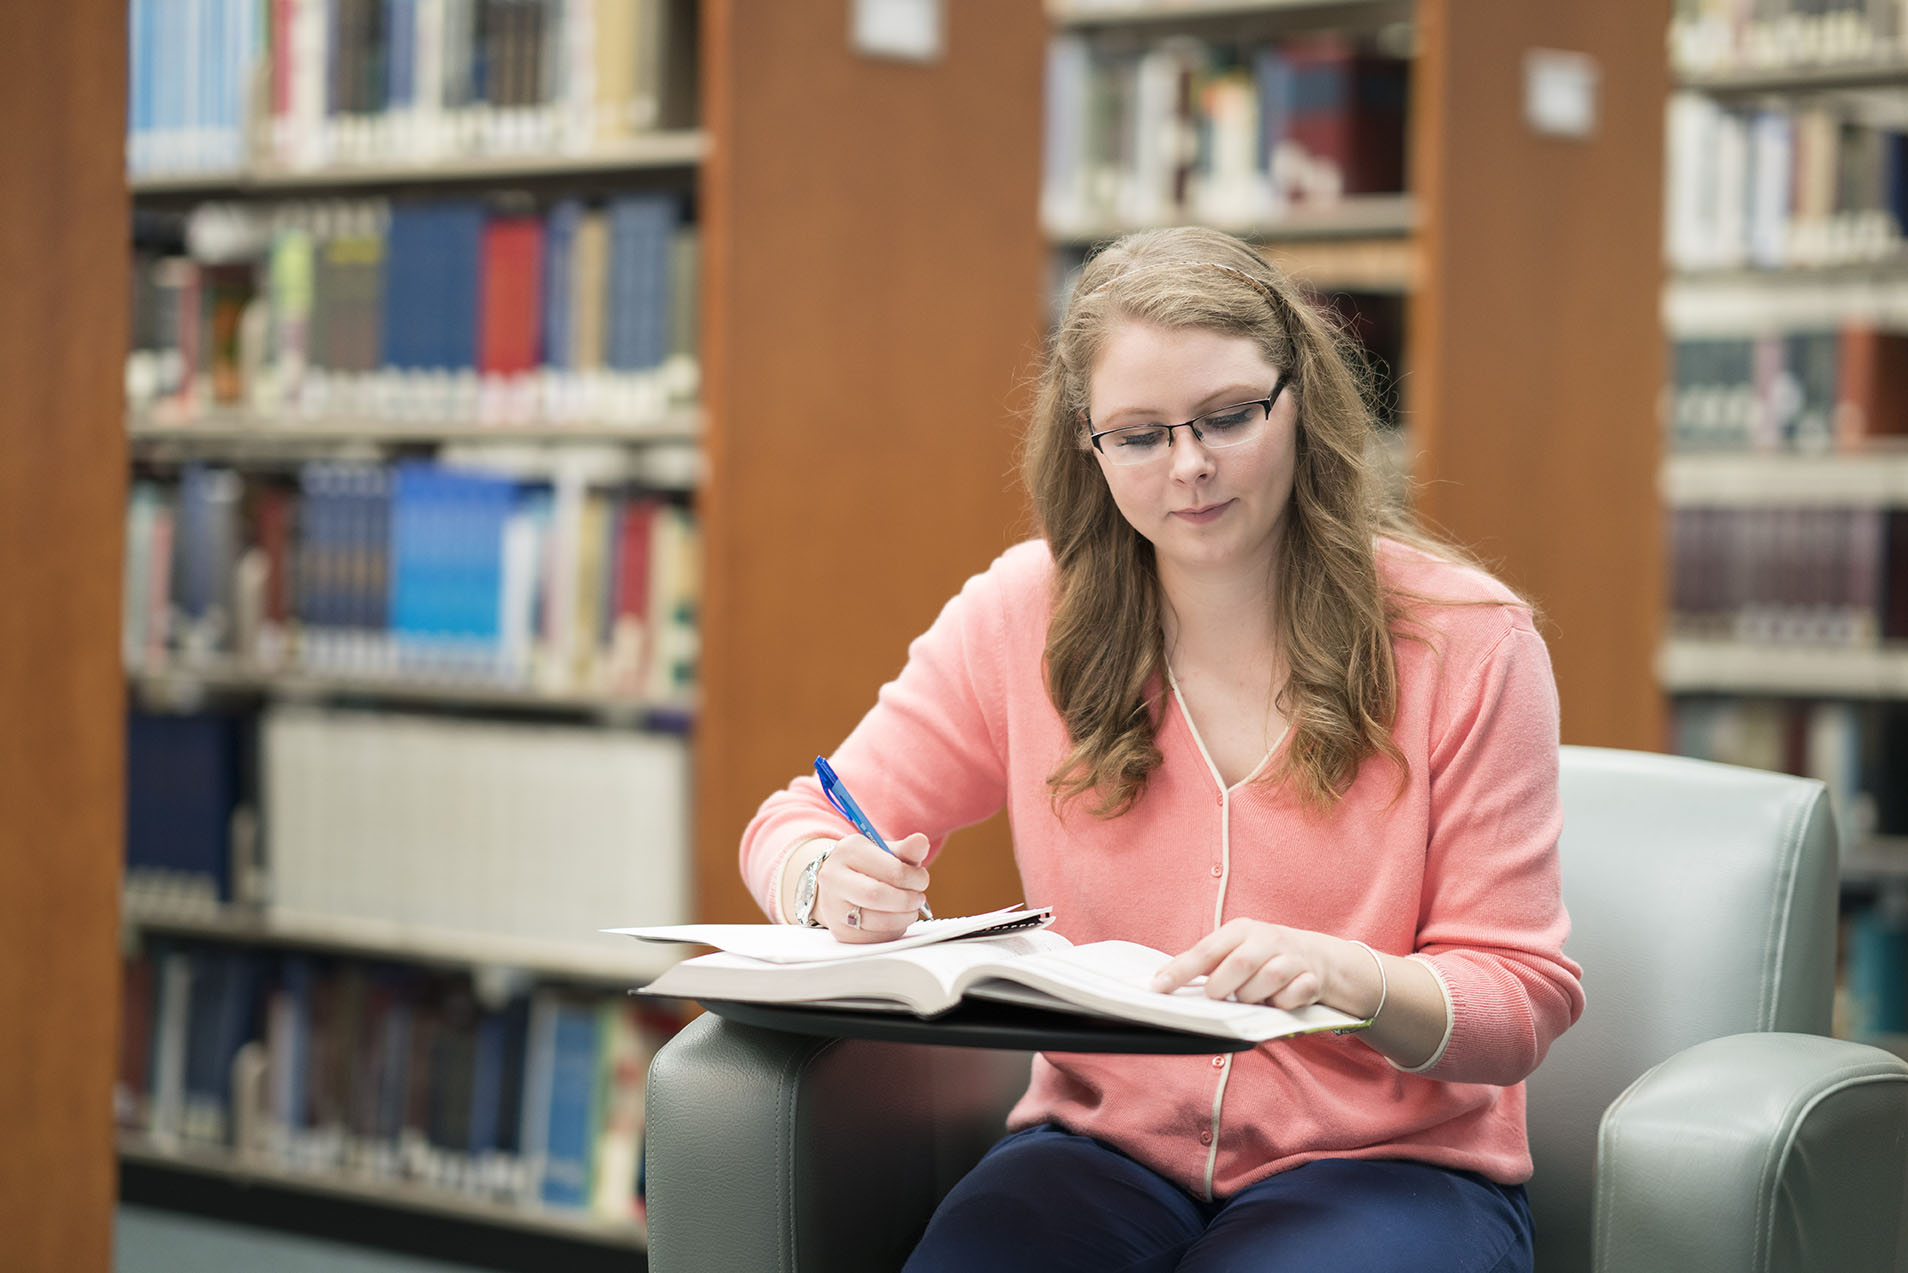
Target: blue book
x=559, y=300
x=411, y=489
x=571, y=1127
x=406, y=246
x=237, y=1021
x=516, y=1038
x=393, y=1066
x=641, y=230
x=459, y=293
x=378, y=592
x=498, y=498
x=400, y=33
x=139, y=91
x=1895, y=176
x=182, y=787
x=291, y=1063
x=1273, y=75
x=1878, y=970
x=486, y=1084
x=314, y=545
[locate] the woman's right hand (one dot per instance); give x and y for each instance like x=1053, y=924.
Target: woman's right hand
x=865, y=895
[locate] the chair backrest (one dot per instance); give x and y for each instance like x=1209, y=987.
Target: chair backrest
x=1702, y=903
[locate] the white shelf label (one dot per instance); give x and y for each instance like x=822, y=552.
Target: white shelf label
x=1560, y=93
x=910, y=30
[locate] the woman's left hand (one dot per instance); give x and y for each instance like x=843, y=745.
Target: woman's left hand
x=1255, y=962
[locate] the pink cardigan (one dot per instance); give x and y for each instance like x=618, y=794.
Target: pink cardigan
x=1459, y=871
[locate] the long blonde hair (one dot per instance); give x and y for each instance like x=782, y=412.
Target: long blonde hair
x=1332, y=618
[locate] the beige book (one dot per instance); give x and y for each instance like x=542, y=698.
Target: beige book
x=589, y=290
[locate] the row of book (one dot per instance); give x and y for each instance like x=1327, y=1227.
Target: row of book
x=530, y=1096
x=544, y=833
x=1859, y=750
x=354, y=820
x=1773, y=187
x=1792, y=575
x=1231, y=133
x=435, y=310
x=1788, y=391
x=415, y=570
x=224, y=85
x=1730, y=35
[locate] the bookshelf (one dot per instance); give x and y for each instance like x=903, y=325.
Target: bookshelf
x=398, y=329
x=1784, y=477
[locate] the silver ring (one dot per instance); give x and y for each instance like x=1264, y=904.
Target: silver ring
x=853, y=917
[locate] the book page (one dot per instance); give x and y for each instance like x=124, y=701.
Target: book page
x=790, y=944
x=922, y=978
x=1113, y=979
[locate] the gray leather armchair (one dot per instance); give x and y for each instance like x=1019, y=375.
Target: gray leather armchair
x=1694, y=1121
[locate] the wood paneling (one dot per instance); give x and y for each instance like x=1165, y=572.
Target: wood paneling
x=63, y=236
x=874, y=308
x=1536, y=349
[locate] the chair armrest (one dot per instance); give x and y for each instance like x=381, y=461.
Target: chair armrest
x=1778, y=1153
x=767, y=1150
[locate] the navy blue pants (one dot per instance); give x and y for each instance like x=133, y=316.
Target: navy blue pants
x=1047, y=1201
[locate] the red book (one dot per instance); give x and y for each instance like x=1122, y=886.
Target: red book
x=1348, y=111
x=274, y=540
x=630, y=635
x=632, y=561
x=281, y=57
x=134, y=1080
x=512, y=297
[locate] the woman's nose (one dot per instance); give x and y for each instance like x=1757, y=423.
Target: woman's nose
x=1189, y=457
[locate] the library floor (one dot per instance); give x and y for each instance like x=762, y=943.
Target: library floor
x=147, y=1240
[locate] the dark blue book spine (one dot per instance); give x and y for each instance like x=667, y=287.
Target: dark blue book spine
x=558, y=290
x=204, y=1082
x=404, y=249
x=460, y=303
x=407, y=501
x=181, y=790
x=516, y=1039
x=486, y=1084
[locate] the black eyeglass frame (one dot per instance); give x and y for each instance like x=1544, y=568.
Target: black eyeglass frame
x=1268, y=403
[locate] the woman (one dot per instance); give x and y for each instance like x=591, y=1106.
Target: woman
x=1239, y=709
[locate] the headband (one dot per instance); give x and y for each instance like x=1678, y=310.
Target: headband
x=1234, y=270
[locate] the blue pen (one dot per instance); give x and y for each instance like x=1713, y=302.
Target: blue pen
x=845, y=805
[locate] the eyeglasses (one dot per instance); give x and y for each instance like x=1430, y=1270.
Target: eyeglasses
x=1216, y=430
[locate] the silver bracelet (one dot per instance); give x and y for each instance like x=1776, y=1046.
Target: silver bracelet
x=1384, y=985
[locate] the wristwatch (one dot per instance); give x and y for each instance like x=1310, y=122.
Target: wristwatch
x=806, y=889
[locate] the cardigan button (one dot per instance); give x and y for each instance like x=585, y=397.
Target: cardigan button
x=1217, y=870
x=1205, y=1138
x=1219, y=1063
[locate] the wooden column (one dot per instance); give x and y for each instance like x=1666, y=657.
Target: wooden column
x=874, y=306
x=63, y=301
x=1536, y=347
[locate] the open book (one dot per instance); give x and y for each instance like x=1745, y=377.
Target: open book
x=929, y=976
